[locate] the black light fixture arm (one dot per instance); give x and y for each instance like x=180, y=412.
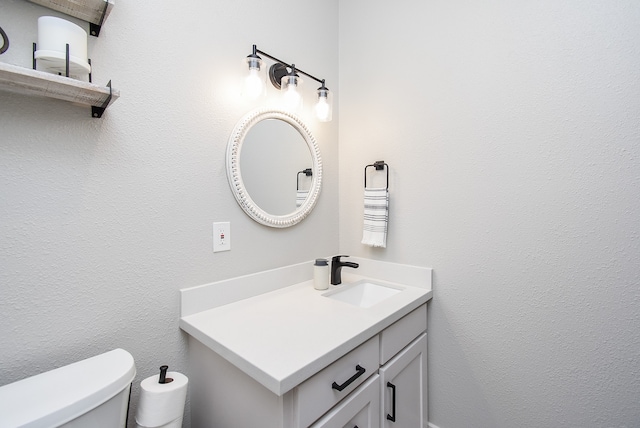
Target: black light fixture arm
x=287, y=65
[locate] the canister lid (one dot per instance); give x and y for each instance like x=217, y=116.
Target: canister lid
x=321, y=262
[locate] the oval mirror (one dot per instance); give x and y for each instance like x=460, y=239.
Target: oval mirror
x=274, y=167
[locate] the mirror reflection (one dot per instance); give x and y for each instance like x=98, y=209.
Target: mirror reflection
x=276, y=166
x=268, y=154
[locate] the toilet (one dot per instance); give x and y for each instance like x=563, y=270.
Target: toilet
x=90, y=393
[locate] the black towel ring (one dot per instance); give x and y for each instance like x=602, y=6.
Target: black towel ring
x=379, y=166
x=306, y=172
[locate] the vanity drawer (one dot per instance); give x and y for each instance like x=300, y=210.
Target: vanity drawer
x=360, y=409
x=322, y=391
x=401, y=333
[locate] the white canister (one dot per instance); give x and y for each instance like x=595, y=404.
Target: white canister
x=54, y=34
x=321, y=274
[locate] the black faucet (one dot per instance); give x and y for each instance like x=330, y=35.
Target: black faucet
x=336, y=268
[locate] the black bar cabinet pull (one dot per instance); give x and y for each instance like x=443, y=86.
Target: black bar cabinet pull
x=359, y=372
x=393, y=402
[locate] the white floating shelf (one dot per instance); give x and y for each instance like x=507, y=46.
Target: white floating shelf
x=38, y=83
x=93, y=11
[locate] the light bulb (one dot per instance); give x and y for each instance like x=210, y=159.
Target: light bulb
x=253, y=84
x=255, y=80
x=323, y=110
x=324, y=105
x=290, y=85
x=291, y=97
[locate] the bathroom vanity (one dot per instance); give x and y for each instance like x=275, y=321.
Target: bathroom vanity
x=268, y=350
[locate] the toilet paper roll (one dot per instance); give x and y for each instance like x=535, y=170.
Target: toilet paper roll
x=161, y=403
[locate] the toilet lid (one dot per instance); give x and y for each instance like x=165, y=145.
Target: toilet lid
x=61, y=395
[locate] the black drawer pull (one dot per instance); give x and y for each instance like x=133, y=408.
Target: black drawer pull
x=393, y=402
x=359, y=372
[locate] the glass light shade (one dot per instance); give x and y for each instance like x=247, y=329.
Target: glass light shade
x=324, y=106
x=255, y=80
x=290, y=89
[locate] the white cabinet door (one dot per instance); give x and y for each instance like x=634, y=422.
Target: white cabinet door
x=404, y=387
x=360, y=409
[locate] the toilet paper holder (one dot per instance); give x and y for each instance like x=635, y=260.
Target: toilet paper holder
x=163, y=375
x=162, y=400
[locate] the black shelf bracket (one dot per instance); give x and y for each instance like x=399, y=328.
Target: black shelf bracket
x=96, y=111
x=94, y=29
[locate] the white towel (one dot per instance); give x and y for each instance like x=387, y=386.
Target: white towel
x=301, y=196
x=376, y=217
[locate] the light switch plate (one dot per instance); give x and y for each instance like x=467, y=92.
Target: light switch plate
x=221, y=236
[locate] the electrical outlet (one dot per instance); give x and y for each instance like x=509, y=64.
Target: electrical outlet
x=221, y=236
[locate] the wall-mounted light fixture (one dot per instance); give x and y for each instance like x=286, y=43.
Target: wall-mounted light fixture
x=285, y=77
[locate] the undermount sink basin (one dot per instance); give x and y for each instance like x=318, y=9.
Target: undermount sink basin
x=362, y=293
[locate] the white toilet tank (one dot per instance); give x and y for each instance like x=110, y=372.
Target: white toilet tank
x=90, y=393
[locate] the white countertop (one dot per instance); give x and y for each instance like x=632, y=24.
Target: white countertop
x=282, y=337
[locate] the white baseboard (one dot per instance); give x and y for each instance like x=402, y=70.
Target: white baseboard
x=432, y=425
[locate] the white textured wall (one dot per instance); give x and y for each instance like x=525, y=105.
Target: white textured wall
x=513, y=134
x=514, y=173
x=102, y=221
